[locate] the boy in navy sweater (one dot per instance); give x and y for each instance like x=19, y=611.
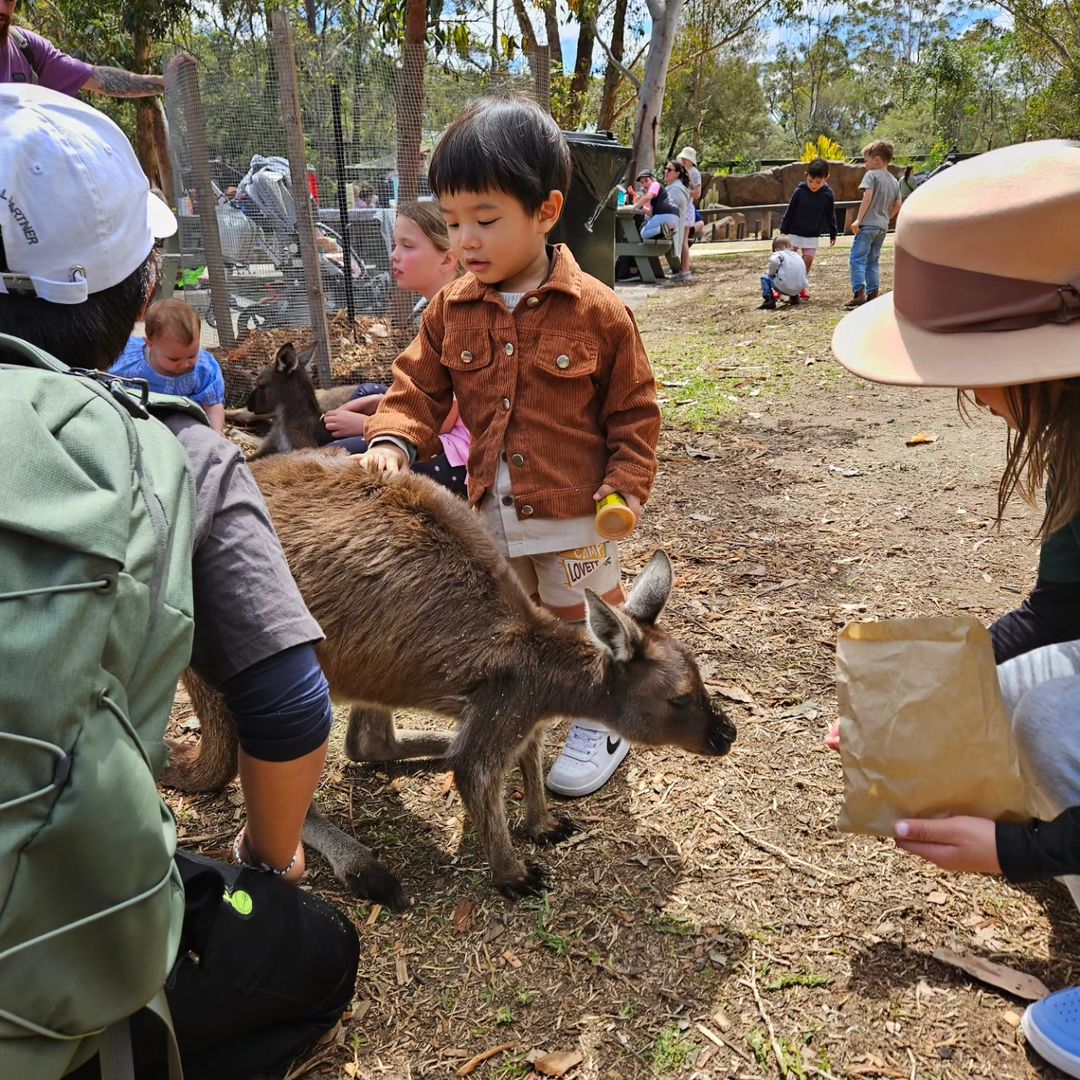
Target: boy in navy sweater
x=811, y=212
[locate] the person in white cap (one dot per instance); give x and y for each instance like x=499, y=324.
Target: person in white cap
x=688, y=159
x=26, y=57
x=78, y=265
x=987, y=299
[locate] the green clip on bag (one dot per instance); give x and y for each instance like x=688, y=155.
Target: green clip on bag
x=96, y=532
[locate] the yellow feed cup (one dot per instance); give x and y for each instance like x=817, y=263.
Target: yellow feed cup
x=614, y=519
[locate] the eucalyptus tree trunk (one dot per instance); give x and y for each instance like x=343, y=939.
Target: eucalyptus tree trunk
x=665, y=16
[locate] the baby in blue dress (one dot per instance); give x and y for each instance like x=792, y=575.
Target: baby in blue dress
x=170, y=359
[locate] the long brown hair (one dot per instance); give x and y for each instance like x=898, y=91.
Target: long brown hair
x=1043, y=450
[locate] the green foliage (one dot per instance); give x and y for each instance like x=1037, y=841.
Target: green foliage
x=823, y=147
x=671, y=1050
x=797, y=978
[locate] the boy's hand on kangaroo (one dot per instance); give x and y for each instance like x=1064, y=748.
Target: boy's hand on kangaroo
x=384, y=458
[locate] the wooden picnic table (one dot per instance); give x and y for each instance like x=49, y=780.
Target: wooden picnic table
x=645, y=253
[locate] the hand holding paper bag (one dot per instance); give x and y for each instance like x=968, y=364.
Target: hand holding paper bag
x=923, y=729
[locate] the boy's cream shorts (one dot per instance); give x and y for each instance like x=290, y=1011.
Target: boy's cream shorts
x=559, y=578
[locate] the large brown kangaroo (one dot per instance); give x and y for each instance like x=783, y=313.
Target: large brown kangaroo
x=421, y=611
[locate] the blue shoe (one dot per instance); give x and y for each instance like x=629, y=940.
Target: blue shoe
x=1052, y=1029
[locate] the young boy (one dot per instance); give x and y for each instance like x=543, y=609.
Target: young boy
x=811, y=212
x=170, y=359
x=550, y=375
x=787, y=275
x=880, y=204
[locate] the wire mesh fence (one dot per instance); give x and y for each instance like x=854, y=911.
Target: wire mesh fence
x=290, y=155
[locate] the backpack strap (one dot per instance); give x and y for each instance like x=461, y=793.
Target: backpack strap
x=22, y=43
x=116, y=1059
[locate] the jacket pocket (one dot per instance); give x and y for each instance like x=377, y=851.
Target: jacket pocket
x=566, y=357
x=467, y=350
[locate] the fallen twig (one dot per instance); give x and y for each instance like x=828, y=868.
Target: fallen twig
x=792, y=860
x=473, y=1062
x=781, y=1063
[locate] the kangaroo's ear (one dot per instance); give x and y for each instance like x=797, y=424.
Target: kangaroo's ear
x=651, y=590
x=610, y=628
x=305, y=357
x=285, y=361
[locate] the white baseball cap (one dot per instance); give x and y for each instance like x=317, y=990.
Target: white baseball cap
x=76, y=212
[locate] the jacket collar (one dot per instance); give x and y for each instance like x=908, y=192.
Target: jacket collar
x=564, y=276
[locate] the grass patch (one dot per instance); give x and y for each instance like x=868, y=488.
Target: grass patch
x=675, y=925
x=671, y=1050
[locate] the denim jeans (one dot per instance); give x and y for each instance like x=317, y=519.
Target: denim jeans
x=1041, y=690
x=652, y=228
x=766, y=287
x=865, y=254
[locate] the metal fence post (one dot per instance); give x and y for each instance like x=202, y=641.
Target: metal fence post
x=195, y=121
x=289, y=86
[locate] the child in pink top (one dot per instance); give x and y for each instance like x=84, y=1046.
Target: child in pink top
x=422, y=262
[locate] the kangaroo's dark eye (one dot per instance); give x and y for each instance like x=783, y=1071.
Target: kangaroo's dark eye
x=681, y=702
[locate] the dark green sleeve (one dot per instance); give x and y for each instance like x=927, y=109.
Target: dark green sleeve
x=1059, y=557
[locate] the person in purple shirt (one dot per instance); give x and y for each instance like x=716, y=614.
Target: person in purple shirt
x=26, y=57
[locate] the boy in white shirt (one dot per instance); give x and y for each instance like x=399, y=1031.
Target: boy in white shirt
x=787, y=275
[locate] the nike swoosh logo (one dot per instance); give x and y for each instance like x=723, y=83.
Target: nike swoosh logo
x=613, y=747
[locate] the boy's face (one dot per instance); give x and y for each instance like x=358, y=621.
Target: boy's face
x=169, y=355
x=872, y=161
x=496, y=238
x=816, y=183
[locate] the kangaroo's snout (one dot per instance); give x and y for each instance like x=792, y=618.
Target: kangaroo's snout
x=721, y=732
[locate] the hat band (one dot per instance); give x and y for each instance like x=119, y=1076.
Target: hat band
x=949, y=300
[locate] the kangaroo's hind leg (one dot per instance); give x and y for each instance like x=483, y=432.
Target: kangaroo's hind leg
x=372, y=736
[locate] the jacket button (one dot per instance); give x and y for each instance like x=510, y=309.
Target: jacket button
x=526, y=511
x=506, y=403
x=517, y=459
x=532, y=301
x=562, y=362
x=467, y=357
x=509, y=349
x=508, y=500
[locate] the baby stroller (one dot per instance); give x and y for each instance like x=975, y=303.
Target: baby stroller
x=264, y=196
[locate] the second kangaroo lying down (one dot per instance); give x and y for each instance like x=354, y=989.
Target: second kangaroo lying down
x=421, y=611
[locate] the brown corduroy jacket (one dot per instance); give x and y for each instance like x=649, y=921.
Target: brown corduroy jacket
x=562, y=384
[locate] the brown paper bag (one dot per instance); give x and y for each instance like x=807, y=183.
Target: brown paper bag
x=923, y=729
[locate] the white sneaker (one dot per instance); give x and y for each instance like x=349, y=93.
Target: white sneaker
x=591, y=754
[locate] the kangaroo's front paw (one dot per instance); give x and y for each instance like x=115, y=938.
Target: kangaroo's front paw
x=368, y=879
x=532, y=881
x=560, y=829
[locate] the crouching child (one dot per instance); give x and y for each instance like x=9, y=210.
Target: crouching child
x=786, y=275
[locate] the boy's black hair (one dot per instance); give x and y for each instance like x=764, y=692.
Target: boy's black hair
x=818, y=168
x=506, y=144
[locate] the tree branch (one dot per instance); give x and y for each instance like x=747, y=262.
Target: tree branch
x=613, y=59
